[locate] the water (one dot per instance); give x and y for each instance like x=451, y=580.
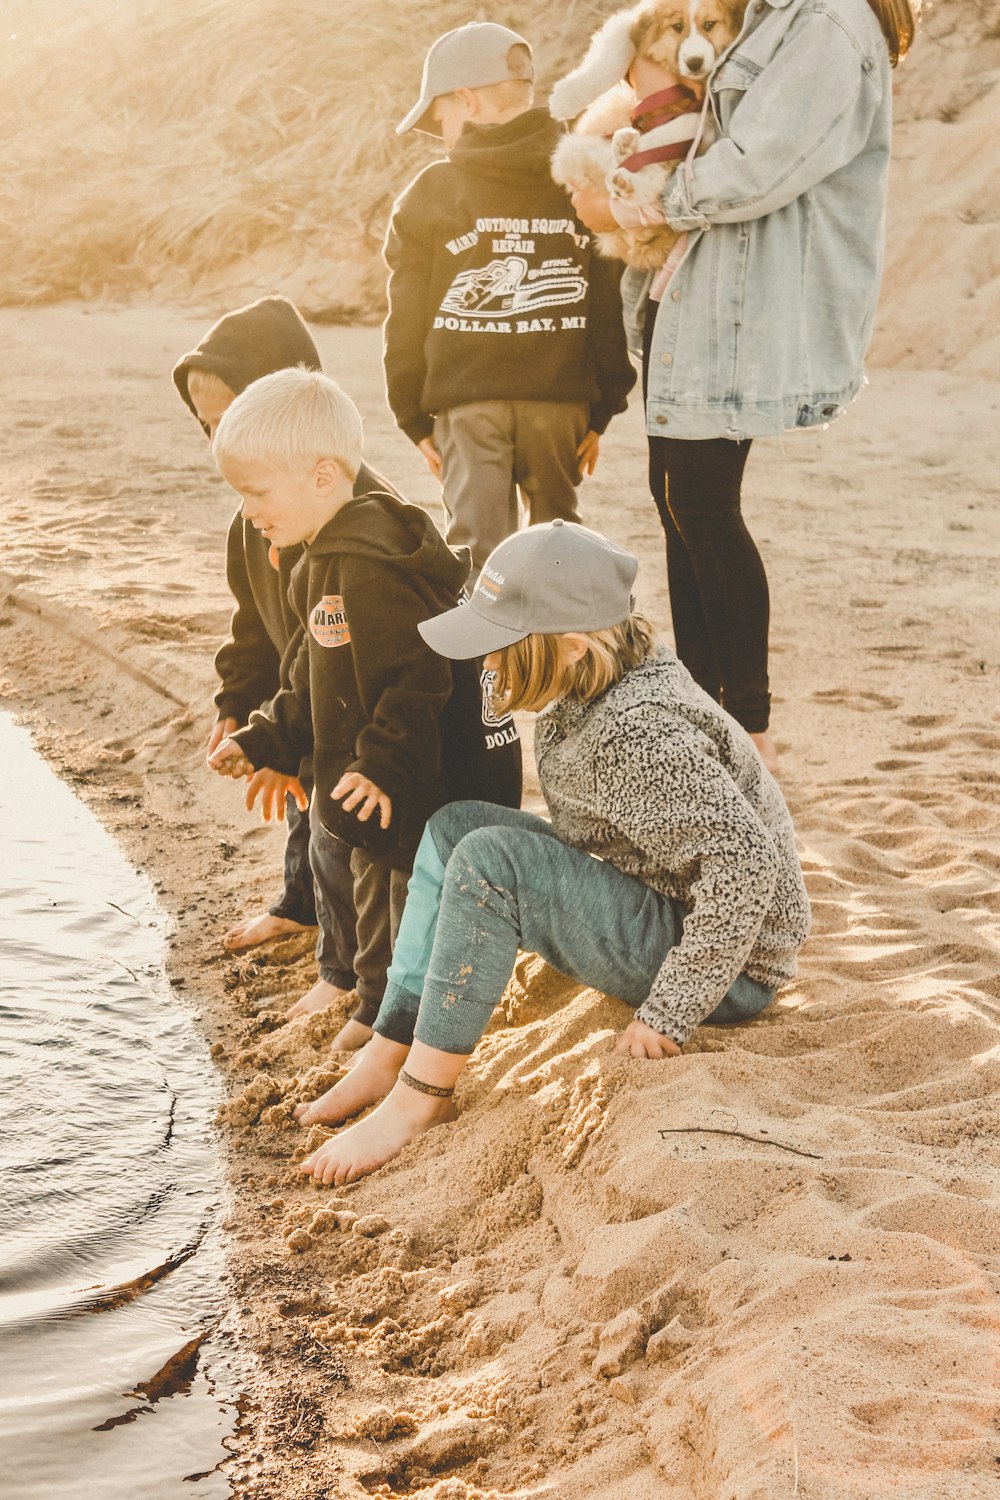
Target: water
x=110, y=1269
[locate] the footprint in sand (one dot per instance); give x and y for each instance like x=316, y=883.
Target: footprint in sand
x=845, y=697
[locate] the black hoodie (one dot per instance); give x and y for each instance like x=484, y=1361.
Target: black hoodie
x=240, y=348
x=496, y=291
x=369, y=695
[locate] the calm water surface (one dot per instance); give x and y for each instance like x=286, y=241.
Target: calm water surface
x=110, y=1271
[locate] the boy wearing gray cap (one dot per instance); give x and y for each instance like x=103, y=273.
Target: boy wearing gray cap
x=693, y=910
x=505, y=354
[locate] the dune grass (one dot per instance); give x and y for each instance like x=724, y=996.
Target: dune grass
x=209, y=148
x=209, y=151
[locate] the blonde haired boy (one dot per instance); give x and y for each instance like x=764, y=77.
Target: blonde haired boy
x=393, y=735
x=243, y=345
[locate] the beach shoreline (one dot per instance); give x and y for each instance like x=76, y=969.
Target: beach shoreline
x=551, y=1296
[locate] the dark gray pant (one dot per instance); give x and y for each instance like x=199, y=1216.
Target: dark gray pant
x=296, y=903
x=330, y=860
x=490, y=450
x=379, y=898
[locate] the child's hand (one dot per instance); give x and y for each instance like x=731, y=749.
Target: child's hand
x=433, y=457
x=272, y=787
x=228, y=759
x=356, y=789
x=587, y=453
x=221, y=730
x=641, y=1040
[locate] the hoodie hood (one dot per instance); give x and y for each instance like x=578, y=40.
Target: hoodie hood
x=377, y=525
x=519, y=148
x=244, y=345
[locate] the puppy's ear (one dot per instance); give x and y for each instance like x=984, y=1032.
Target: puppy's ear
x=608, y=59
x=647, y=22
x=735, y=11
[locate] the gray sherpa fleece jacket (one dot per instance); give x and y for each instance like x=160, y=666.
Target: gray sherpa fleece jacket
x=657, y=779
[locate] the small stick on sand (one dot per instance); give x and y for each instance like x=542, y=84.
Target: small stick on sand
x=758, y=1140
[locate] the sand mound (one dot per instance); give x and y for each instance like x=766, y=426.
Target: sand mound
x=212, y=155
x=767, y=1269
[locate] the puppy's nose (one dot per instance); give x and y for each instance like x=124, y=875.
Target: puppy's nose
x=695, y=65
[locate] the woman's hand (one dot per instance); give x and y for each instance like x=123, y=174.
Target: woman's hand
x=640, y=1040
x=594, y=208
x=648, y=77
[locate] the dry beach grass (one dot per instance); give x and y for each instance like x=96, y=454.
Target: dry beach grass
x=766, y=1271
x=205, y=150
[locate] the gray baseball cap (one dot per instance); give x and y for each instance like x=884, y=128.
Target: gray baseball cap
x=470, y=57
x=547, y=580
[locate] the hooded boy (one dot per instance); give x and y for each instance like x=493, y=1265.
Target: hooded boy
x=245, y=344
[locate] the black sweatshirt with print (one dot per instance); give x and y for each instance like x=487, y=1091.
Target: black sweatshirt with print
x=240, y=348
x=496, y=290
x=369, y=695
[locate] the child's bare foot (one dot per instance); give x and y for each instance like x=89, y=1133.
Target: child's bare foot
x=766, y=749
x=374, y=1141
x=257, y=930
x=370, y=1078
x=320, y=997
x=352, y=1035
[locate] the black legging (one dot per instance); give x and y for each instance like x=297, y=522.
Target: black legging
x=718, y=589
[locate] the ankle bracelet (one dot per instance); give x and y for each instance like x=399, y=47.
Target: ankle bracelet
x=425, y=1088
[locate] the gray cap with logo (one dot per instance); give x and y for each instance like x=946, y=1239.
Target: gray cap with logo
x=547, y=580
x=471, y=57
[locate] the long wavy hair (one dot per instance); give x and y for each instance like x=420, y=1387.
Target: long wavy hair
x=898, y=20
x=532, y=672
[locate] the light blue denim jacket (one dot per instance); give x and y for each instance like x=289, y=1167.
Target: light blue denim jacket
x=767, y=318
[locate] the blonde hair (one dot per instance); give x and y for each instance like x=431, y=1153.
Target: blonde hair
x=207, y=383
x=515, y=92
x=295, y=418
x=512, y=93
x=532, y=672
x=898, y=20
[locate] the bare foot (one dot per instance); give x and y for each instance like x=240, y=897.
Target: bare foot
x=372, y=1142
x=352, y=1035
x=320, y=997
x=767, y=749
x=370, y=1078
x=257, y=930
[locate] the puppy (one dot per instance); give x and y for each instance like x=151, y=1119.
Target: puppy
x=632, y=157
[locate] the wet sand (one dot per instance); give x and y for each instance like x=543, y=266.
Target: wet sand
x=593, y=1284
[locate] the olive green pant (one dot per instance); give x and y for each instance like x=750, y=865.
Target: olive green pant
x=491, y=450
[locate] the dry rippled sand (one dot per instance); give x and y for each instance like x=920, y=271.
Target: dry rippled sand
x=772, y=1263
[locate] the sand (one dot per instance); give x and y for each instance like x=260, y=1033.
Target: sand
x=766, y=1269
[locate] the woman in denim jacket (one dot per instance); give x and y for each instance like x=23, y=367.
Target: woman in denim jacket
x=765, y=321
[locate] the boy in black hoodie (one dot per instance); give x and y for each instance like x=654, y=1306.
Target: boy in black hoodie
x=242, y=346
x=505, y=354
x=395, y=730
